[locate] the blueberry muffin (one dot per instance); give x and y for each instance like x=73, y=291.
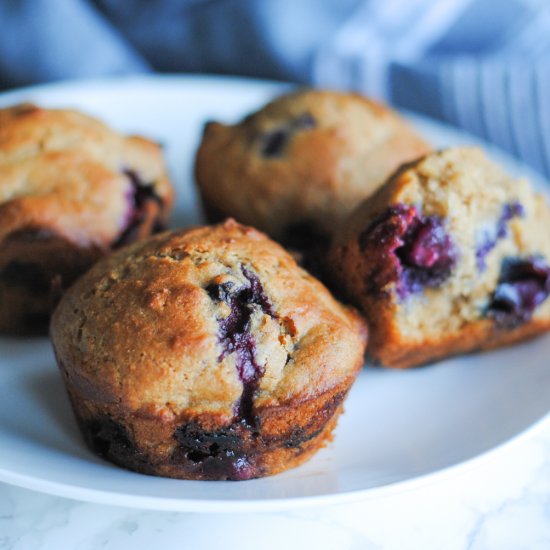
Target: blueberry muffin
x=205, y=354
x=297, y=167
x=71, y=189
x=451, y=255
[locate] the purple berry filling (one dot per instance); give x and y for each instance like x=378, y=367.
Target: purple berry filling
x=109, y=437
x=509, y=211
x=412, y=250
x=234, y=331
x=275, y=141
x=523, y=285
x=218, y=454
x=112, y=441
x=140, y=196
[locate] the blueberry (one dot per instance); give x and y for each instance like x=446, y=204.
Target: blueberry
x=274, y=142
x=234, y=331
x=409, y=249
x=141, y=196
x=509, y=211
x=219, y=454
x=523, y=285
x=110, y=439
x=220, y=293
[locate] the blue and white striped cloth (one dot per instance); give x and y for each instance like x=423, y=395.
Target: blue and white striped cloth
x=483, y=65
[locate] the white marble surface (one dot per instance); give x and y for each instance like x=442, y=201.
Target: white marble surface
x=501, y=503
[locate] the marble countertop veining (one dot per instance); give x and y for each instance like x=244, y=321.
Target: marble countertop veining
x=500, y=503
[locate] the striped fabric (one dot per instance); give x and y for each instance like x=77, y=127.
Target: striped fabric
x=483, y=65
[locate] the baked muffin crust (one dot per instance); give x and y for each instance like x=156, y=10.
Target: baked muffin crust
x=449, y=256
x=203, y=336
x=297, y=167
x=71, y=189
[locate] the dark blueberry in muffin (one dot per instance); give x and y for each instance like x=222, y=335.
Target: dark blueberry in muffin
x=274, y=142
x=217, y=454
x=523, y=285
x=412, y=250
x=143, y=201
x=109, y=437
x=234, y=330
x=510, y=211
x=489, y=241
x=427, y=255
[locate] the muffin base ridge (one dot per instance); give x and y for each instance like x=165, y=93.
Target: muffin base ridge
x=234, y=452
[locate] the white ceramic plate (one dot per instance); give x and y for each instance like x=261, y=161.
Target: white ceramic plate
x=399, y=430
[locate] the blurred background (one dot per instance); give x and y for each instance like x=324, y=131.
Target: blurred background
x=483, y=65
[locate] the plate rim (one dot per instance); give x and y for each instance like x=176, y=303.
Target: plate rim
x=219, y=506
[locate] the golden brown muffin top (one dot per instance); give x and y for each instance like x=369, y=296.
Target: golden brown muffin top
x=200, y=320
x=68, y=172
x=308, y=157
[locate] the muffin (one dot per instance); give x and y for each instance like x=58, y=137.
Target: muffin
x=71, y=190
x=297, y=167
x=451, y=255
x=205, y=354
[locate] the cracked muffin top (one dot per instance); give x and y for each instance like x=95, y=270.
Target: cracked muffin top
x=69, y=173
x=214, y=320
x=302, y=162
